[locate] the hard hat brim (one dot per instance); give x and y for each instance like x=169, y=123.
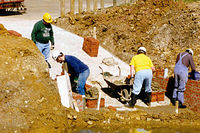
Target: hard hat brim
x=48, y=21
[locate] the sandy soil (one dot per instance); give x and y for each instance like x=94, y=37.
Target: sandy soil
x=165, y=28
x=30, y=101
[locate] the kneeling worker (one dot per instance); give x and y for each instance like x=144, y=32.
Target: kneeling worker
x=141, y=66
x=76, y=68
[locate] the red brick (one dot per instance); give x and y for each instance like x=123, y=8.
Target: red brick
x=159, y=72
x=160, y=96
x=112, y=108
x=12, y=32
x=92, y=103
x=153, y=96
x=76, y=96
x=87, y=86
x=160, y=99
x=91, y=46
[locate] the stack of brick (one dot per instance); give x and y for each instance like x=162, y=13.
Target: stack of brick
x=91, y=46
x=92, y=103
x=192, y=95
x=159, y=96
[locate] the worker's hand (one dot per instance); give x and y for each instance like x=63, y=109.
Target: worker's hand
x=52, y=47
x=130, y=77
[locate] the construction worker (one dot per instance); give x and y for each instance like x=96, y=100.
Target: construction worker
x=76, y=68
x=183, y=61
x=141, y=68
x=41, y=34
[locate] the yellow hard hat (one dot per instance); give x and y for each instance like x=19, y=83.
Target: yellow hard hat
x=47, y=18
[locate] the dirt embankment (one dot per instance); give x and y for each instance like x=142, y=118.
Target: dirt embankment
x=164, y=27
x=28, y=97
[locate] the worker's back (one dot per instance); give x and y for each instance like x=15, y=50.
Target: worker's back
x=141, y=62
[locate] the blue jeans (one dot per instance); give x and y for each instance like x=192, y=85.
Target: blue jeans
x=44, y=49
x=142, y=77
x=81, y=81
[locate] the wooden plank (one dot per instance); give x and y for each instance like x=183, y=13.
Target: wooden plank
x=62, y=8
x=102, y=4
x=114, y=2
x=65, y=91
x=88, y=5
x=95, y=5
x=80, y=6
x=72, y=6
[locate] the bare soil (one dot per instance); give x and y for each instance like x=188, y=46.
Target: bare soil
x=165, y=28
x=29, y=99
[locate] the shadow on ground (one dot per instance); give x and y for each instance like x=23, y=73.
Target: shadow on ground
x=10, y=13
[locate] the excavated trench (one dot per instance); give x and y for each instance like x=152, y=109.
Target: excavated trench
x=29, y=98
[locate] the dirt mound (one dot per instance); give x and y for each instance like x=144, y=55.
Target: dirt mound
x=29, y=100
x=165, y=28
x=28, y=97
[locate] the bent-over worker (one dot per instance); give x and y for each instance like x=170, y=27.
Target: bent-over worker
x=76, y=68
x=183, y=61
x=141, y=66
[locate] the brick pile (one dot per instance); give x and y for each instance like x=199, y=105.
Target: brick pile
x=91, y=46
x=159, y=96
x=192, y=95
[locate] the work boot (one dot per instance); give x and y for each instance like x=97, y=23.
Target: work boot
x=148, y=102
x=180, y=105
x=173, y=101
x=133, y=100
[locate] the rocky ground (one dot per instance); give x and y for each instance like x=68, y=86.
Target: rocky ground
x=29, y=99
x=165, y=28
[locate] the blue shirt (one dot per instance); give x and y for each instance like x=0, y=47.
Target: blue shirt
x=75, y=66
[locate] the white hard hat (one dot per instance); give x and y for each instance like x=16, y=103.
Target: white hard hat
x=190, y=51
x=142, y=49
x=56, y=54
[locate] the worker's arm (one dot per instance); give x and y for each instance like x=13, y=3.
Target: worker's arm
x=192, y=64
x=151, y=65
x=153, y=69
x=34, y=32
x=177, y=58
x=51, y=36
x=132, y=71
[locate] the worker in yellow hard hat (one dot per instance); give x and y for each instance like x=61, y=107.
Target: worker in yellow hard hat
x=42, y=35
x=141, y=67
